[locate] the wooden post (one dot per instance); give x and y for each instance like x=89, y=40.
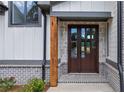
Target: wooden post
x=53, y=52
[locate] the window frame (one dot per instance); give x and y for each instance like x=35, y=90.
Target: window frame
x=25, y=24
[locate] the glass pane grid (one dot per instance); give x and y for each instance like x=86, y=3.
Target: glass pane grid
x=74, y=42
x=87, y=41
x=24, y=13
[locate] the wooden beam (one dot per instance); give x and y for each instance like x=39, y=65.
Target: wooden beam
x=53, y=52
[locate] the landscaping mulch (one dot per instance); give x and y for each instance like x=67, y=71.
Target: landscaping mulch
x=16, y=88
x=46, y=88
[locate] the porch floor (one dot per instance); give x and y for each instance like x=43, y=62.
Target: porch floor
x=81, y=87
x=82, y=78
x=82, y=82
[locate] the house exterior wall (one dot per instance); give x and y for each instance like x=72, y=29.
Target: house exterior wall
x=83, y=6
x=26, y=43
x=23, y=73
x=106, y=68
x=23, y=43
x=2, y=28
x=112, y=73
x=21, y=50
x=113, y=34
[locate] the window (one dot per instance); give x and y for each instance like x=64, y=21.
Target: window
x=24, y=13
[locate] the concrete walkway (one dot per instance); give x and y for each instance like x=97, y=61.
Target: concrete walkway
x=81, y=87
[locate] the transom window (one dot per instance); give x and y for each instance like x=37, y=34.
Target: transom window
x=24, y=13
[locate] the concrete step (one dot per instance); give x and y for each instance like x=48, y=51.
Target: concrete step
x=82, y=78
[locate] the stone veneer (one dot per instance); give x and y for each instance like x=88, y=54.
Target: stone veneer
x=63, y=42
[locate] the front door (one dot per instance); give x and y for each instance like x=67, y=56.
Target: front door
x=83, y=48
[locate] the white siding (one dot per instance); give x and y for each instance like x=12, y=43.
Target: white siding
x=48, y=38
x=26, y=43
x=99, y=6
x=21, y=43
x=2, y=27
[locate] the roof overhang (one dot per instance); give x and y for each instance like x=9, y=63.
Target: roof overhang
x=45, y=5
x=3, y=8
x=100, y=16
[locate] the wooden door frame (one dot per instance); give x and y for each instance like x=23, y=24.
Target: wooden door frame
x=85, y=25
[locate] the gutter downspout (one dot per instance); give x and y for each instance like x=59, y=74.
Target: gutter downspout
x=44, y=46
x=119, y=29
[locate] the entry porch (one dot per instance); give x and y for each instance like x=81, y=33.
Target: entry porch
x=60, y=64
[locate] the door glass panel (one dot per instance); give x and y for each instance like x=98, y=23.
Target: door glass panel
x=88, y=50
x=88, y=33
x=93, y=44
x=82, y=50
x=82, y=33
x=87, y=47
x=93, y=30
x=88, y=30
x=88, y=36
x=82, y=42
x=74, y=42
x=92, y=36
x=88, y=44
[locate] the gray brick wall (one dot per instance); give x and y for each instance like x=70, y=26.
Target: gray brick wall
x=23, y=73
x=112, y=76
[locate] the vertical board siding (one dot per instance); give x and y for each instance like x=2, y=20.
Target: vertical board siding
x=83, y=6
x=21, y=43
x=75, y=6
x=27, y=42
x=98, y=6
x=48, y=38
x=2, y=36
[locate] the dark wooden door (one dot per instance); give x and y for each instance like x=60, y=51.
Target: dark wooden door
x=83, y=48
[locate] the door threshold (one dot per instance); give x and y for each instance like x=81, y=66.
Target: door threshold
x=82, y=73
